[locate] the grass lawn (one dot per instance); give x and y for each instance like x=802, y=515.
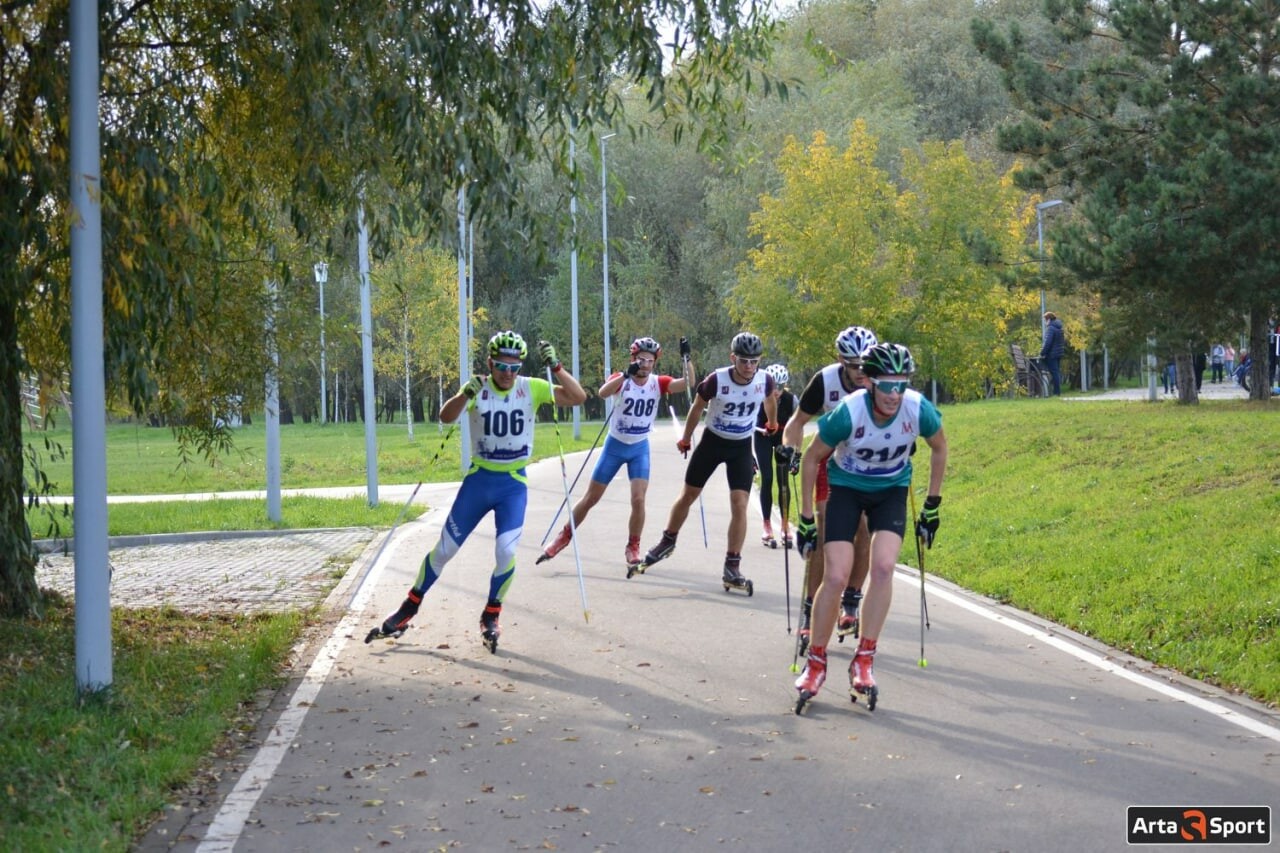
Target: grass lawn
x=1151, y=527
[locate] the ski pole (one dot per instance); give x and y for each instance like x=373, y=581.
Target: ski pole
x=702, y=510
x=603, y=427
x=924, y=605
x=412, y=495
x=688, y=369
x=564, y=476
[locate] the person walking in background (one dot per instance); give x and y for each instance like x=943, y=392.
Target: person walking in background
x=824, y=392
x=731, y=396
x=639, y=391
x=1053, y=348
x=1197, y=368
x=1230, y=360
x=768, y=463
x=502, y=408
x=1217, y=362
x=869, y=438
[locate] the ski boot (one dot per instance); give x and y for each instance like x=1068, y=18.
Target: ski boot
x=661, y=551
x=803, y=634
x=848, y=624
x=397, y=623
x=862, y=680
x=489, y=627
x=632, y=555
x=733, y=578
x=810, y=681
x=557, y=545
x=766, y=538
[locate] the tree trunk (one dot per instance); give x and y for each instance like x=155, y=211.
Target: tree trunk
x=1259, y=381
x=19, y=594
x=1184, y=370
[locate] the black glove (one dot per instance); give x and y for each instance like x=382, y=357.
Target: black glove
x=548, y=354
x=473, y=386
x=633, y=368
x=927, y=526
x=790, y=456
x=806, y=536
x=685, y=349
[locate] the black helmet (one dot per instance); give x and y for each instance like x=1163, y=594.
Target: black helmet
x=747, y=345
x=885, y=359
x=648, y=345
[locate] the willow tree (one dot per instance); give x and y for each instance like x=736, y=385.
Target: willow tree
x=422, y=97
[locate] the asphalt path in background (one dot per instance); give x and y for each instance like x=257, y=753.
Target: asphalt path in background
x=666, y=721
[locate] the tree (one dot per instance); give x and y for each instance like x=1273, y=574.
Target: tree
x=926, y=265
x=1160, y=121
x=423, y=98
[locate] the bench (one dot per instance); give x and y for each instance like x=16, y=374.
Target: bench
x=1029, y=373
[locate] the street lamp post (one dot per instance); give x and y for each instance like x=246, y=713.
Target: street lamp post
x=604, y=231
x=1040, y=209
x=322, y=275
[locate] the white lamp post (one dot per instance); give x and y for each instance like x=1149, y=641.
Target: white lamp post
x=322, y=275
x=1040, y=209
x=604, y=231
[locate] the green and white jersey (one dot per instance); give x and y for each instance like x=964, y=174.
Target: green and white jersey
x=870, y=456
x=502, y=423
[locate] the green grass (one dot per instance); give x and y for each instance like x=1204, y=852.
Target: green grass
x=1151, y=527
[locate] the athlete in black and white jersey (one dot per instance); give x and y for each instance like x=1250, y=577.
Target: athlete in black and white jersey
x=731, y=396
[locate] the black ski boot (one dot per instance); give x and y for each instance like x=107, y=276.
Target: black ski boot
x=397, y=623
x=489, y=627
x=733, y=578
x=848, y=624
x=661, y=551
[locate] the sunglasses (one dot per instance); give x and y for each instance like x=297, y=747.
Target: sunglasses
x=855, y=363
x=891, y=386
x=748, y=361
x=503, y=367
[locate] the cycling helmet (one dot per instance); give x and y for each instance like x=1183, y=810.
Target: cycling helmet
x=648, y=345
x=747, y=345
x=854, y=342
x=888, y=360
x=779, y=373
x=508, y=343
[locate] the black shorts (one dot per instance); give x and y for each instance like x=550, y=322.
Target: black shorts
x=885, y=509
x=735, y=453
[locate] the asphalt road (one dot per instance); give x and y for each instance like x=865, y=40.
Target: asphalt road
x=666, y=721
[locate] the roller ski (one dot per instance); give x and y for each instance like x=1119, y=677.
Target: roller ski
x=557, y=545
x=766, y=538
x=862, y=681
x=733, y=579
x=810, y=681
x=397, y=623
x=490, y=630
x=848, y=623
x=787, y=542
x=632, y=556
x=666, y=545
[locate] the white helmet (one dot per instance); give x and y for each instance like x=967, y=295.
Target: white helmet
x=779, y=373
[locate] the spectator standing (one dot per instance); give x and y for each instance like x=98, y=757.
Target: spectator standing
x=1055, y=344
x=1217, y=362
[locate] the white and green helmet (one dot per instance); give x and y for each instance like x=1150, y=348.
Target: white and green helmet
x=508, y=343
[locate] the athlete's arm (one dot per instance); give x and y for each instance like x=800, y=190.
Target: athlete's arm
x=568, y=392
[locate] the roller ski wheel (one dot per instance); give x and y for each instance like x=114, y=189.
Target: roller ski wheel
x=872, y=693
x=768, y=541
x=802, y=700
x=787, y=542
x=634, y=569
x=733, y=579
x=846, y=627
x=746, y=586
x=490, y=630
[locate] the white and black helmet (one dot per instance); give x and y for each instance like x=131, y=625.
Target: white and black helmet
x=779, y=374
x=854, y=342
x=746, y=345
x=648, y=345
